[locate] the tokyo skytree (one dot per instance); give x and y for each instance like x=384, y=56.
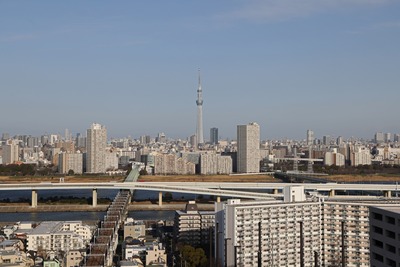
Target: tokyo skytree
x=199, y=102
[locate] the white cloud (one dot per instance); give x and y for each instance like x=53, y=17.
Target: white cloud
x=272, y=10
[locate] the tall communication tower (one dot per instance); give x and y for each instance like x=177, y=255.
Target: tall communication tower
x=199, y=102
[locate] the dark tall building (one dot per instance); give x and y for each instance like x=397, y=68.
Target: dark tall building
x=214, y=136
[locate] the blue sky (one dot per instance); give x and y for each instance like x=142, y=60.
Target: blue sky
x=328, y=65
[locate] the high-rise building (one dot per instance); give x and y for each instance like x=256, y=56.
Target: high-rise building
x=387, y=137
x=214, y=136
x=379, y=137
x=199, y=102
x=282, y=227
x=5, y=136
x=297, y=230
x=10, y=151
x=248, y=148
x=396, y=138
x=384, y=223
x=339, y=140
x=310, y=137
x=326, y=140
x=96, y=142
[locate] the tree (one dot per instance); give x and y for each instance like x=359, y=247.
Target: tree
x=143, y=172
x=168, y=196
x=71, y=172
x=194, y=257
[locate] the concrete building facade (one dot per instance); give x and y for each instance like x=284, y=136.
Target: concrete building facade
x=248, y=148
x=70, y=161
x=96, y=142
x=384, y=236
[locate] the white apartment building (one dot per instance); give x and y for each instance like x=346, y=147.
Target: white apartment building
x=170, y=164
x=310, y=138
x=96, y=142
x=334, y=158
x=284, y=228
x=326, y=225
x=10, y=151
x=70, y=161
x=362, y=157
x=248, y=148
x=111, y=160
x=59, y=236
x=354, y=216
x=212, y=163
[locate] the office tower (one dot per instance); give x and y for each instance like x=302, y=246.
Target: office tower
x=96, y=142
x=379, y=137
x=396, y=138
x=199, y=102
x=214, y=136
x=32, y=142
x=326, y=140
x=310, y=137
x=5, y=136
x=384, y=223
x=44, y=139
x=80, y=141
x=193, y=140
x=248, y=148
x=387, y=137
x=10, y=151
x=145, y=139
x=67, y=135
x=339, y=141
x=161, y=138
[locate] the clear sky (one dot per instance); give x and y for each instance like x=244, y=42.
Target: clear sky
x=327, y=65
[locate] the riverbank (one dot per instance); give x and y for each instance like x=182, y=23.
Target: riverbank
x=19, y=208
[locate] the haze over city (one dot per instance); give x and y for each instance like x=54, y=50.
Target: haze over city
x=331, y=66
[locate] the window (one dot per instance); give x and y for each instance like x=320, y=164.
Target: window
x=390, y=234
x=390, y=220
x=377, y=216
x=377, y=230
x=390, y=248
x=377, y=243
x=378, y=257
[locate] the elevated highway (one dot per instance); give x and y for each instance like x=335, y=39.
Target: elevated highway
x=225, y=189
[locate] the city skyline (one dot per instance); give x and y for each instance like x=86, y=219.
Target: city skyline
x=330, y=67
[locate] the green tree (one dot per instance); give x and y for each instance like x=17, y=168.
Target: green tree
x=194, y=257
x=71, y=172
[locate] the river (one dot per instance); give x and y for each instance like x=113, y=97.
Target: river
x=16, y=195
